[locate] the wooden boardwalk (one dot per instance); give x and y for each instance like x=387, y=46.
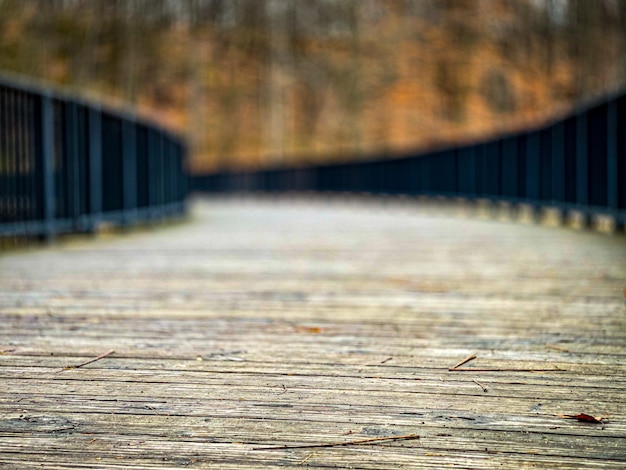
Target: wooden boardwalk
x=262, y=324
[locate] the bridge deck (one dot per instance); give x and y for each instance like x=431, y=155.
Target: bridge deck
x=293, y=323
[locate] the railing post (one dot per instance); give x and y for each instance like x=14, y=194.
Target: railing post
x=509, y=168
x=533, y=172
x=167, y=174
x=95, y=168
x=558, y=167
x=620, y=174
x=47, y=167
x=155, y=170
x=470, y=166
x=612, y=199
x=129, y=170
x=162, y=153
x=72, y=174
x=151, y=170
x=183, y=180
x=582, y=166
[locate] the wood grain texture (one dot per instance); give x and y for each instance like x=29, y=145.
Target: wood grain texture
x=295, y=322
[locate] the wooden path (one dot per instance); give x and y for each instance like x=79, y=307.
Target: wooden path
x=263, y=324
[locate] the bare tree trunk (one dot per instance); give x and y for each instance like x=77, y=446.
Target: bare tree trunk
x=128, y=72
x=85, y=63
x=277, y=61
x=355, y=101
x=622, y=29
x=195, y=110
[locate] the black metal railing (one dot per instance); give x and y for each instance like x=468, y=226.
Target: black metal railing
x=577, y=163
x=68, y=165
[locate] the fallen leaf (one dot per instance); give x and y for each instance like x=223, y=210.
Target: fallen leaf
x=309, y=329
x=584, y=417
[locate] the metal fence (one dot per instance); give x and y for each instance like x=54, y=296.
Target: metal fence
x=577, y=163
x=68, y=165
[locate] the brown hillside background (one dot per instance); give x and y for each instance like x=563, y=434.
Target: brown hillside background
x=257, y=82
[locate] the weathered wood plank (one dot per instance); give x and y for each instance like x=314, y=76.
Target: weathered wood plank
x=292, y=323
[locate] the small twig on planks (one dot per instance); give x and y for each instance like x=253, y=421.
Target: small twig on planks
x=406, y=437
x=303, y=461
x=484, y=387
x=458, y=368
x=464, y=361
x=101, y=356
x=505, y=369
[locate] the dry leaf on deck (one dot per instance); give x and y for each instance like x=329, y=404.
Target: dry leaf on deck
x=308, y=329
x=584, y=417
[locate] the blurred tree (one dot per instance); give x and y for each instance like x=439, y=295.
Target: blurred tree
x=257, y=81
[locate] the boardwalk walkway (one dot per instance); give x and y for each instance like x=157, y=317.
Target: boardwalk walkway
x=263, y=324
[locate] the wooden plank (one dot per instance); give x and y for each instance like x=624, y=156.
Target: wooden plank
x=272, y=323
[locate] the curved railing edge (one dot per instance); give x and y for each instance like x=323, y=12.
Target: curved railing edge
x=69, y=163
x=576, y=162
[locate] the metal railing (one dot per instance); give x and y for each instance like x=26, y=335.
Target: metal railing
x=576, y=163
x=69, y=165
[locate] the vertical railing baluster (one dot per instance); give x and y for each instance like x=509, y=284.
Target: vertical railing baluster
x=161, y=177
x=152, y=171
x=12, y=154
x=19, y=164
x=582, y=166
x=533, y=171
x=4, y=170
x=25, y=166
x=558, y=166
x=95, y=167
x=71, y=162
x=32, y=157
x=47, y=166
x=129, y=170
x=620, y=176
x=612, y=159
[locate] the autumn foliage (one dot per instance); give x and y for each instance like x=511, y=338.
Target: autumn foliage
x=252, y=82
